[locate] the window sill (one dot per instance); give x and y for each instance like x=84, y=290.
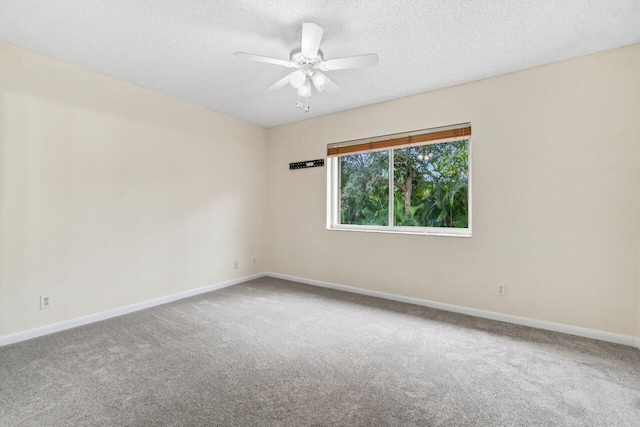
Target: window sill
x=419, y=231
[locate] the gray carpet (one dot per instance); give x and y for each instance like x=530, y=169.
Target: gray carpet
x=272, y=352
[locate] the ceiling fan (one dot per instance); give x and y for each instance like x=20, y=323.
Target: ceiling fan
x=309, y=65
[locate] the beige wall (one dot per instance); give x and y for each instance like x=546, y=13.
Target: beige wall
x=556, y=163
x=111, y=194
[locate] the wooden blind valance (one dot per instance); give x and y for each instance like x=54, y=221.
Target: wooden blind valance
x=430, y=136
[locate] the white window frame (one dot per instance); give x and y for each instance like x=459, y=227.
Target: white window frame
x=333, y=205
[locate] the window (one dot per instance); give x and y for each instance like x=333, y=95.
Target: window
x=417, y=182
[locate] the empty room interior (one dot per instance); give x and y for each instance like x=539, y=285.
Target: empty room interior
x=320, y=213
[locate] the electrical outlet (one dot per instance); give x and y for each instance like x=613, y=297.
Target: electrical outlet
x=235, y=264
x=45, y=302
x=502, y=290
x=253, y=260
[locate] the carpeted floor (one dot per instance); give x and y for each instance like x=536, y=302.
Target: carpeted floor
x=272, y=352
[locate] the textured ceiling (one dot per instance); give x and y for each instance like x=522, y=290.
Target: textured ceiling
x=184, y=48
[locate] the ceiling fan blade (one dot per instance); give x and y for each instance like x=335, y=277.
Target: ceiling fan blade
x=258, y=58
x=350, y=62
x=280, y=83
x=311, y=36
x=332, y=88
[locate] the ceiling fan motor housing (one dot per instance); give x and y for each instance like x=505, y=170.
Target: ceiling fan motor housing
x=300, y=60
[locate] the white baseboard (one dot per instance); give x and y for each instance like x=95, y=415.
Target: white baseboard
x=72, y=323
x=540, y=324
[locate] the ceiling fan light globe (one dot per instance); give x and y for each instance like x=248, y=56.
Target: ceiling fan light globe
x=305, y=89
x=319, y=81
x=297, y=79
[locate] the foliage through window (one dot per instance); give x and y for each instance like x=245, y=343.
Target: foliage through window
x=425, y=187
x=364, y=189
